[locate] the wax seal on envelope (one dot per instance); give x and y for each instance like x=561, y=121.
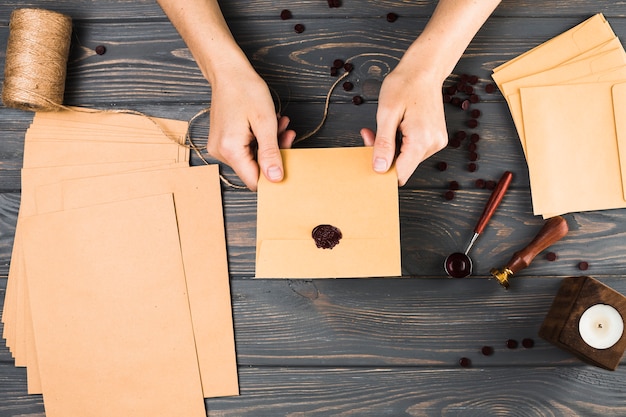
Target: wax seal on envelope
x=326, y=236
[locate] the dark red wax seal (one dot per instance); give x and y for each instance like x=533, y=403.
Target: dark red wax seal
x=326, y=236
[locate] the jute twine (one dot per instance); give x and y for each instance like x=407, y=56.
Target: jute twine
x=36, y=59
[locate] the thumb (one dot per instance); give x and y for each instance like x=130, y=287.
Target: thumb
x=268, y=154
x=385, y=144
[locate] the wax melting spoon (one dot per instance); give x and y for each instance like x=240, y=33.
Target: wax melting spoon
x=459, y=264
x=552, y=231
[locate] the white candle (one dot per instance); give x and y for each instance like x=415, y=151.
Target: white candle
x=601, y=326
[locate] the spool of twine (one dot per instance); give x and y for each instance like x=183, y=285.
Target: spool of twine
x=36, y=60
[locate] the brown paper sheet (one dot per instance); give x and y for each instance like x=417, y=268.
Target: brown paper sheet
x=328, y=186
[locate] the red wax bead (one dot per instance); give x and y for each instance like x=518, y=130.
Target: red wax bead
x=334, y=3
x=474, y=98
x=465, y=104
x=392, y=17
x=475, y=113
x=490, y=185
x=464, y=78
x=454, y=185
x=528, y=343
x=285, y=14
x=490, y=88
x=455, y=101
x=460, y=135
x=357, y=100
x=551, y=256
x=511, y=344
x=447, y=98
x=472, y=123
x=101, y=49
x=583, y=266
x=473, y=79
x=472, y=147
x=448, y=195
x=465, y=362
x=474, y=137
x=473, y=156
x=480, y=183
x=472, y=167
x=442, y=166
x=299, y=28
x=451, y=90
x=469, y=89
x=337, y=63
x=487, y=350
x=454, y=143
x=333, y=71
x=348, y=67
x=348, y=86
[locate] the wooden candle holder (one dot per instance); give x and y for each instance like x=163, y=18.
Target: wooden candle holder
x=560, y=326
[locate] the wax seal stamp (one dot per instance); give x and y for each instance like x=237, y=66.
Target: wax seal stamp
x=326, y=236
x=587, y=319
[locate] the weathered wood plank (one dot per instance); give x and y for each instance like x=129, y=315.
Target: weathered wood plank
x=148, y=9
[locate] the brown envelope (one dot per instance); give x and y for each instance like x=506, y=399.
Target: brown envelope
x=591, y=33
x=334, y=186
x=574, y=157
x=109, y=341
x=197, y=195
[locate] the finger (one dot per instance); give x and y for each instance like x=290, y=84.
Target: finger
x=286, y=139
x=268, y=154
x=368, y=136
x=241, y=160
x=385, y=142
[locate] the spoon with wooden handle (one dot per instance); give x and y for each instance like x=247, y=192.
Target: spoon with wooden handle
x=552, y=231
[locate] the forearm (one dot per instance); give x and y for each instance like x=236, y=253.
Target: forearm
x=447, y=34
x=204, y=30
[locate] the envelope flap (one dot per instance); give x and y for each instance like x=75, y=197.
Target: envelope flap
x=351, y=258
x=619, y=110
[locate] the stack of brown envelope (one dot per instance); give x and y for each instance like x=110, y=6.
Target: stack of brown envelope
x=118, y=299
x=337, y=187
x=567, y=99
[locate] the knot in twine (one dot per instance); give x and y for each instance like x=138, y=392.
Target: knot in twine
x=36, y=59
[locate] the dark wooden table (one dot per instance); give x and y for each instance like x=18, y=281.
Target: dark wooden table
x=362, y=347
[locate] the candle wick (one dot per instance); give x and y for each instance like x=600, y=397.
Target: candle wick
x=599, y=325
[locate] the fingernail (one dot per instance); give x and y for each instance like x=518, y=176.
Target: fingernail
x=380, y=165
x=274, y=173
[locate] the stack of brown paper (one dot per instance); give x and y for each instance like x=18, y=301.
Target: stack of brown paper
x=337, y=187
x=118, y=299
x=567, y=101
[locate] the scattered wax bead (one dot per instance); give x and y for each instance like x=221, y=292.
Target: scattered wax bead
x=472, y=147
x=333, y=71
x=490, y=88
x=490, y=185
x=583, y=266
x=447, y=98
x=474, y=137
x=334, y=3
x=299, y=28
x=285, y=14
x=451, y=90
x=338, y=63
x=511, y=344
x=469, y=89
x=454, y=143
x=101, y=49
x=357, y=100
x=465, y=362
x=465, y=104
x=460, y=135
x=348, y=86
x=348, y=66
x=454, y=185
x=392, y=17
x=487, y=350
x=473, y=79
x=464, y=78
x=448, y=195
x=472, y=123
x=473, y=156
x=455, y=101
x=475, y=113
x=528, y=343
x=472, y=167
x=480, y=183
x=551, y=256
x=442, y=166
x=474, y=98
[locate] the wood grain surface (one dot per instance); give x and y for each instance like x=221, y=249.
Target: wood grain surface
x=358, y=347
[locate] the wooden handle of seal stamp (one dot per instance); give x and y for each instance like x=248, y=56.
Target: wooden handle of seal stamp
x=494, y=201
x=552, y=231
